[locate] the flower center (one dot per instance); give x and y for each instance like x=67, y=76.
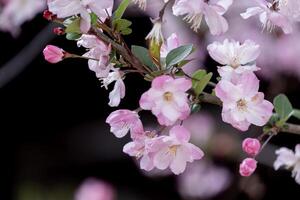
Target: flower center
x=235, y=63
x=241, y=105
x=168, y=96
x=173, y=149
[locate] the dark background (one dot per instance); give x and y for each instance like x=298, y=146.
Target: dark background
x=53, y=133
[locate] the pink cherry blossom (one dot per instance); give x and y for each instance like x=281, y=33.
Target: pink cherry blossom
x=290, y=160
x=16, y=12
x=176, y=151
x=171, y=43
x=122, y=121
x=269, y=15
x=194, y=10
x=235, y=57
x=53, y=54
x=242, y=103
x=203, y=180
x=144, y=148
x=251, y=146
x=97, y=50
x=93, y=189
x=118, y=92
x=248, y=166
x=167, y=99
x=68, y=8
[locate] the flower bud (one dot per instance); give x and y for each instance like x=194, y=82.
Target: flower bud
x=58, y=31
x=48, y=15
x=251, y=146
x=53, y=54
x=248, y=166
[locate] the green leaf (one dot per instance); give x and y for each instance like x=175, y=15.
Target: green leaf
x=74, y=26
x=121, y=9
x=283, y=107
x=94, y=19
x=177, y=55
x=200, y=81
x=73, y=36
x=122, y=26
x=143, y=55
x=296, y=113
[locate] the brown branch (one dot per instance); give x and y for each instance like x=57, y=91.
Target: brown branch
x=291, y=128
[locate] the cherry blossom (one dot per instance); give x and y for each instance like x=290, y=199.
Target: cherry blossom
x=171, y=43
x=237, y=58
x=194, y=10
x=144, y=148
x=16, y=12
x=167, y=99
x=118, y=92
x=248, y=166
x=122, y=121
x=53, y=54
x=67, y=8
x=242, y=103
x=269, y=15
x=176, y=151
x=290, y=160
x=93, y=189
x=251, y=146
x=98, y=50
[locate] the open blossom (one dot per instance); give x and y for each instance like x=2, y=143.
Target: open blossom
x=234, y=57
x=93, y=189
x=98, y=50
x=144, y=148
x=251, y=146
x=203, y=180
x=248, y=166
x=269, y=15
x=194, y=10
x=16, y=12
x=68, y=8
x=242, y=103
x=118, y=92
x=122, y=121
x=53, y=54
x=176, y=151
x=290, y=160
x=290, y=8
x=171, y=43
x=167, y=99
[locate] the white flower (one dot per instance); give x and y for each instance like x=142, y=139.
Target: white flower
x=118, y=92
x=290, y=160
x=156, y=32
x=141, y=3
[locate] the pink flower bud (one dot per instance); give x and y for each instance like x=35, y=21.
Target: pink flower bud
x=248, y=166
x=251, y=146
x=58, y=31
x=53, y=54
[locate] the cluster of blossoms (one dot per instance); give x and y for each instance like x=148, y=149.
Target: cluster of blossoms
x=167, y=99
x=173, y=94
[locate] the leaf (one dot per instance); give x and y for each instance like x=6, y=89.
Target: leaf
x=283, y=107
x=94, y=19
x=74, y=26
x=122, y=26
x=154, y=50
x=121, y=9
x=200, y=81
x=143, y=55
x=177, y=55
x=73, y=36
x=296, y=113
